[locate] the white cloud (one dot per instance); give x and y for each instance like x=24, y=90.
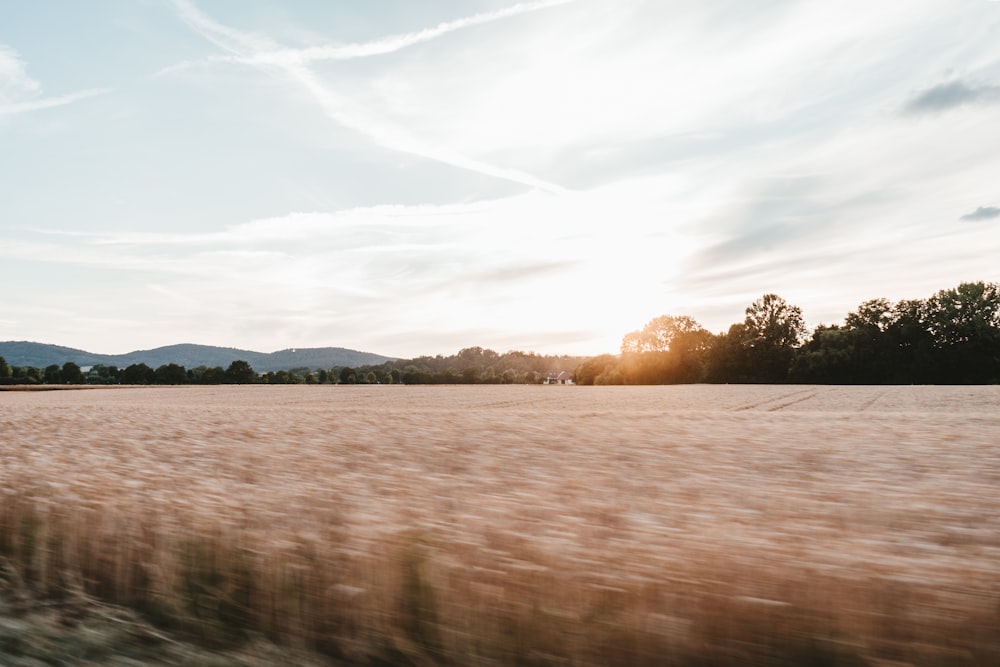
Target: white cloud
x=15, y=84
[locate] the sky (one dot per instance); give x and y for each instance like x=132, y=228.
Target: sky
x=411, y=178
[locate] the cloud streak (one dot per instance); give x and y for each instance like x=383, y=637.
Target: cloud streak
x=389, y=136
x=393, y=43
x=19, y=93
x=254, y=49
x=50, y=102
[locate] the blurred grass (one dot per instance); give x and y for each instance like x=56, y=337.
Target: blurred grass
x=399, y=534
x=226, y=603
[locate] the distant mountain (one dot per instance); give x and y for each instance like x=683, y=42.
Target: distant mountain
x=40, y=355
x=24, y=353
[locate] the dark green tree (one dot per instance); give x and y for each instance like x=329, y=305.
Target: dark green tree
x=170, y=374
x=872, y=352
x=774, y=330
x=280, y=377
x=137, y=374
x=26, y=375
x=52, y=374
x=913, y=355
x=240, y=372
x=213, y=375
x=103, y=374
x=72, y=373
x=830, y=356
x=964, y=324
x=729, y=359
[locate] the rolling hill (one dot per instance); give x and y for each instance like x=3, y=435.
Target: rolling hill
x=40, y=355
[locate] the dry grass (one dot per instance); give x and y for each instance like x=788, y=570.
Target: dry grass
x=704, y=525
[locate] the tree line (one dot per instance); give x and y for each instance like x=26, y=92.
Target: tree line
x=953, y=337
x=239, y=372
x=473, y=365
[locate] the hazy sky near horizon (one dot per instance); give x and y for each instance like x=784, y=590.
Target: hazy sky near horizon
x=412, y=178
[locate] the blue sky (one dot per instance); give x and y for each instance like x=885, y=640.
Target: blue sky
x=416, y=177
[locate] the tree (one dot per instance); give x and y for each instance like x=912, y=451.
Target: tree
x=5, y=370
x=663, y=334
x=774, y=329
x=829, y=356
x=213, y=375
x=102, y=374
x=52, y=374
x=874, y=315
x=964, y=324
x=913, y=357
x=870, y=354
x=669, y=349
x=137, y=374
x=27, y=374
x=170, y=374
x=240, y=372
x=588, y=371
x=71, y=373
x=772, y=320
x=348, y=376
x=279, y=377
x=729, y=358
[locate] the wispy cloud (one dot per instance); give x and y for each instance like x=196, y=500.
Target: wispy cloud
x=983, y=213
x=253, y=48
x=388, y=135
x=392, y=43
x=49, y=102
x=19, y=93
x=946, y=96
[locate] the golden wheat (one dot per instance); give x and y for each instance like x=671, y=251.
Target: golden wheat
x=523, y=525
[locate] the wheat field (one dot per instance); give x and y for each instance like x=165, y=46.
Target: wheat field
x=513, y=525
